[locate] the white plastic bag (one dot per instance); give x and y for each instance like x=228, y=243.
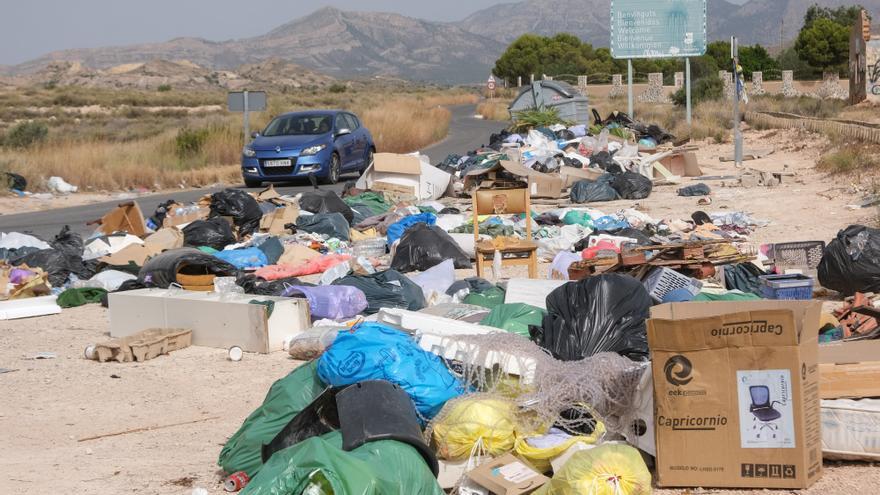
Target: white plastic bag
x=436, y=280
x=58, y=185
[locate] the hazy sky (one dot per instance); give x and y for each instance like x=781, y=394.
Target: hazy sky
x=30, y=28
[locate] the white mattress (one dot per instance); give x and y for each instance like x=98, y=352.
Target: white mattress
x=851, y=429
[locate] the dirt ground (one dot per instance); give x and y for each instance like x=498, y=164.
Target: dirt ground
x=50, y=406
x=11, y=203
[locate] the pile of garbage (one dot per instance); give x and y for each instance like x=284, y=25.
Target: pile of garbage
x=419, y=378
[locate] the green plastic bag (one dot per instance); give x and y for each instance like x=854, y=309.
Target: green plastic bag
x=286, y=398
x=375, y=202
x=515, y=318
x=576, y=217
x=384, y=467
x=72, y=298
x=489, y=298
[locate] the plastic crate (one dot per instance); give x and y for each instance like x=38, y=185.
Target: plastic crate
x=369, y=248
x=805, y=254
x=662, y=281
x=797, y=286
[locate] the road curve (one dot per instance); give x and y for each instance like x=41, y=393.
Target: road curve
x=465, y=133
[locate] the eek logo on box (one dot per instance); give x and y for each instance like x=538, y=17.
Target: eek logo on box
x=678, y=370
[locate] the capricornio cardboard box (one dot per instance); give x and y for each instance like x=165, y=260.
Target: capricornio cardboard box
x=736, y=393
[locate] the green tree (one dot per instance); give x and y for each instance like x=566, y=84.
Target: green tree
x=843, y=15
x=521, y=58
x=26, y=134
x=824, y=44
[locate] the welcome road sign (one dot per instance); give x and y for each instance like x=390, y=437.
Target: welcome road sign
x=658, y=28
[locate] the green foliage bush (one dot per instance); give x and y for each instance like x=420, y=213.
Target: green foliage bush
x=708, y=88
x=337, y=88
x=26, y=134
x=164, y=88
x=189, y=142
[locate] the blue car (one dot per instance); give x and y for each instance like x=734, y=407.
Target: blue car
x=326, y=143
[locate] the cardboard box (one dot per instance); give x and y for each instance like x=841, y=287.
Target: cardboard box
x=508, y=475
x=570, y=175
x=216, y=320
x=680, y=164
x=541, y=185
x=172, y=220
x=736, y=393
x=404, y=177
x=274, y=221
x=127, y=217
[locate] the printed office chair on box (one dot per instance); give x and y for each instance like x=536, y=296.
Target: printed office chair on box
x=513, y=252
x=762, y=409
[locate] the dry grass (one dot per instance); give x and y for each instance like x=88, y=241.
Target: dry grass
x=124, y=148
x=850, y=157
x=104, y=166
x=494, y=110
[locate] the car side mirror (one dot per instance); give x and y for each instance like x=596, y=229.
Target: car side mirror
x=255, y=134
x=342, y=132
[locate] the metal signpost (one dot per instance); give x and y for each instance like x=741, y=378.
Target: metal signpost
x=737, y=94
x=490, y=85
x=658, y=29
x=246, y=102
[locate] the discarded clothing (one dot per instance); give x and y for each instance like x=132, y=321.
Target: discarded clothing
x=72, y=298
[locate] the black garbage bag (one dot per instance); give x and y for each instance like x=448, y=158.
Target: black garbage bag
x=565, y=135
x=851, y=262
x=695, y=190
x=330, y=224
x=15, y=181
x=603, y=313
x=161, y=270
x=213, y=232
x=423, y=246
x=158, y=218
x=68, y=242
x=744, y=277
x=256, y=285
x=320, y=201
x=58, y=264
x=632, y=185
x=361, y=213
x=239, y=205
x=589, y=191
x=605, y=161
x=386, y=289
x=638, y=235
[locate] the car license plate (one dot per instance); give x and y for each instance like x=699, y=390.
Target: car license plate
x=277, y=163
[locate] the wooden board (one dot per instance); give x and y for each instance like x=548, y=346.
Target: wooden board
x=853, y=380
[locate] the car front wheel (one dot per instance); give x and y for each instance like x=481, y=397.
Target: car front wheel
x=333, y=173
x=367, y=162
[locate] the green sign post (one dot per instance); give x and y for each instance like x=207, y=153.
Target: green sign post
x=658, y=29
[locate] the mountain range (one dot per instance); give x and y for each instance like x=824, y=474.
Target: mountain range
x=365, y=44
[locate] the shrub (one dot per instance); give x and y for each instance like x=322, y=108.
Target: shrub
x=337, y=88
x=163, y=88
x=189, y=142
x=536, y=117
x=708, y=88
x=26, y=134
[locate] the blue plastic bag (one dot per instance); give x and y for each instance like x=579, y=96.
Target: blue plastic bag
x=610, y=222
x=244, y=258
x=396, y=230
x=372, y=351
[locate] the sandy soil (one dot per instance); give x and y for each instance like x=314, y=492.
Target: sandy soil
x=50, y=405
x=11, y=203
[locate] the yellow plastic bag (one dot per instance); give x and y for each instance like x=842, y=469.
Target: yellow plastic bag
x=464, y=422
x=608, y=469
x=540, y=458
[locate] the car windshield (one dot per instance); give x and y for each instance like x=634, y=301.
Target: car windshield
x=295, y=125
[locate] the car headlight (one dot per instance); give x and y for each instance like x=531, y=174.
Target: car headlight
x=248, y=152
x=313, y=150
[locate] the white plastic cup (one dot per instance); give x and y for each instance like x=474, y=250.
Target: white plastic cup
x=235, y=353
x=89, y=352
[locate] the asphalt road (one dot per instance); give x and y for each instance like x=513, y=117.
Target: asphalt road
x=465, y=133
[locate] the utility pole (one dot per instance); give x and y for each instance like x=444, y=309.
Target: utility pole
x=737, y=132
